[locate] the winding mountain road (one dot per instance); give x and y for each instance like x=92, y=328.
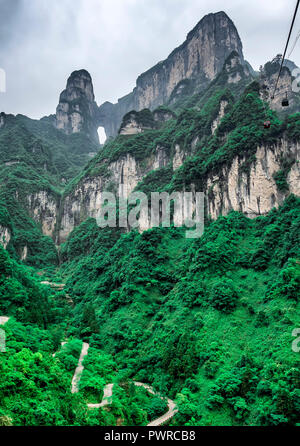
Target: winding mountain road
x=3, y=320
x=79, y=369
x=108, y=391
x=106, y=400
x=167, y=416
x=62, y=344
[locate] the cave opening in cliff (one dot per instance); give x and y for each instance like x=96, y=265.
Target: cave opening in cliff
x=102, y=135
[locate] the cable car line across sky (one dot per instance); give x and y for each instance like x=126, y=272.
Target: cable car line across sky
x=286, y=46
x=294, y=45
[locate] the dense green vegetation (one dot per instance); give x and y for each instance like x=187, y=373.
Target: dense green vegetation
x=35, y=159
x=206, y=322
x=22, y=295
x=35, y=384
x=240, y=132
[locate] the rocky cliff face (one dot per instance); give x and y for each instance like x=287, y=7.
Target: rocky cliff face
x=5, y=236
x=212, y=51
x=77, y=110
x=123, y=176
x=200, y=58
x=132, y=124
x=268, y=79
x=254, y=193
x=44, y=209
x=137, y=122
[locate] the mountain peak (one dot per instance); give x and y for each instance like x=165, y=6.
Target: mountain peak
x=77, y=110
x=82, y=80
x=212, y=18
x=199, y=59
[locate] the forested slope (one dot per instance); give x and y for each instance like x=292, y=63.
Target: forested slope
x=36, y=163
x=207, y=322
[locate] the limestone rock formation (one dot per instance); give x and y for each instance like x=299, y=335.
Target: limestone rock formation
x=211, y=52
x=254, y=193
x=136, y=122
x=5, y=236
x=218, y=119
x=43, y=208
x=162, y=115
x=235, y=68
x=77, y=110
x=199, y=59
x=268, y=79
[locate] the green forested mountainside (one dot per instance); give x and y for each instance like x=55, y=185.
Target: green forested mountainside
x=35, y=157
x=240, y=132
x=34, y=384
x=40, y=145
x=38, y=158
x=207, y=322
x=28, y=368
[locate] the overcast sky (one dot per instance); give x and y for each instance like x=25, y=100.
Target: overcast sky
x=43, y=41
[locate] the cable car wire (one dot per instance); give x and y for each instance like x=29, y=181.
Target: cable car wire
x=286, y=46
x=295, y=43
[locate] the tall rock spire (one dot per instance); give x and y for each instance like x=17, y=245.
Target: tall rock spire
x=77, y=110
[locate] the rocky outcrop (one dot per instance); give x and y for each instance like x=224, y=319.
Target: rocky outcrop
x=178, y=158
x=5, y=236
x=162, y=115
x=254, y=192
x=268, y=79
x=199, y=59
x=85, y=201
x=131, y=128
x=137, y=122
x=221, y=115
x=235, y=69
x=24, y=253
x=77, y=110
x=133, y=124
x=44, y=209
x=122, y=178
